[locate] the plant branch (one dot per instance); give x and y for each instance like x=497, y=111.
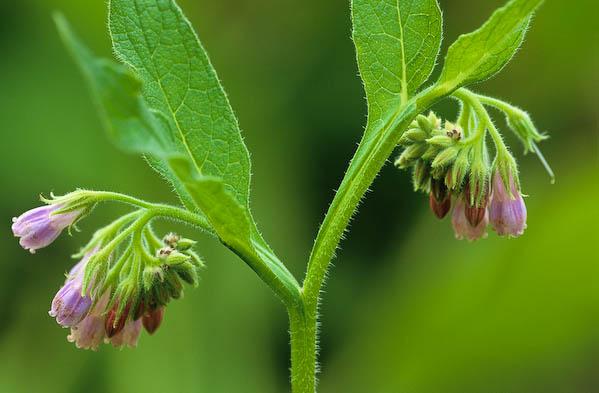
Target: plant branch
x=372, y=153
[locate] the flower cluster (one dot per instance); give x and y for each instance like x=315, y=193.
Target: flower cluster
x=125, y=277
x=451, y=163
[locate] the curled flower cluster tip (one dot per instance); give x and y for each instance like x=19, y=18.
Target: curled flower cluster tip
x=450, y=162
x=124, y=279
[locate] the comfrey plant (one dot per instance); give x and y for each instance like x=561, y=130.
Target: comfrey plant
x=164, y=101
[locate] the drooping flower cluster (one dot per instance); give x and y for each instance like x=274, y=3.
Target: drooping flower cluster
x=450, y=162
x=125, y=278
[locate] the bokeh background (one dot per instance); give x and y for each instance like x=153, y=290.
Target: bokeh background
x=408, y=308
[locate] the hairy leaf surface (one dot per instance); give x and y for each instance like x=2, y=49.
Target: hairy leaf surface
x=131, y=124
x=481, y=54
x=397, y=43
x=158, y=42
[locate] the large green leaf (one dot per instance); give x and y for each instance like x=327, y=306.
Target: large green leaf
x=481, y=54
x=131, y=124
x=397, y=43
x=158, y=42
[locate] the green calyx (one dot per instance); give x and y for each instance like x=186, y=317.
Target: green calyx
x=458, y=153
x=139, y=270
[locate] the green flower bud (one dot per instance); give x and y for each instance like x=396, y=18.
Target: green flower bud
x=458, y=171
x=440, y=141
x=446, y=157
x=185, y=244
x=196, y=260
x=152, y=275
x=521, y=124
x=421, y=176
x=173, y=285
x=439, y=172
x=187, y=272
x=425, y=124
x=412, y=135
x=176, y=257
x=434, y=120
x=410, y=155
x=431, y=152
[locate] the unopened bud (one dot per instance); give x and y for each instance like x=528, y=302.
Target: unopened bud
x=151, y=276
x=188, y=273
x=421, y=176
x=410, y=155
x=152, y=319
x=430, y=153
x=425, y=124
x=446, y=157
x=440, y=141
x=412, y=135
x=457, y=172
x=439, y=198
x=114, y=322
x=522, y=125
x=475, y=212
x=440, y=209
x=185, y=244
x=175, y=258
x=172, y=285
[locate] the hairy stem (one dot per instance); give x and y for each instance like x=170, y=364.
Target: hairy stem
x=259, y=258
x=372, y=153
x=474, y=100
x=304, y=350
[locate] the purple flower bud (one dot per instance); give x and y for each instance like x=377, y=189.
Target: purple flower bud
x=128, y=336
x=89, y=333
x=69, y=306
x=475, y=213
x=39, y=227
x=462, y=227
x=439, y=199
x=113, y=326
x=152, y=319
x=507, y=213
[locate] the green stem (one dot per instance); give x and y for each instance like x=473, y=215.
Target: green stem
x=304, y=350
x=483, y=116
x=157, y=209
x=259, y=257
x=374, y=150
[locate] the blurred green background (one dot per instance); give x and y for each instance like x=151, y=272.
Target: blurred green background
x=408, y=308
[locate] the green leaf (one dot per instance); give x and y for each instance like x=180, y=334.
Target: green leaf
x=158, y=42
x=117, y=93
x=481, y=54
x=228, y=218
x=236, y=229
x=131, y=124
x=397, y=43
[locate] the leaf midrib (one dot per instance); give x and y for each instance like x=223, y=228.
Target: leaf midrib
x=162, y=90
x=404, y=73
